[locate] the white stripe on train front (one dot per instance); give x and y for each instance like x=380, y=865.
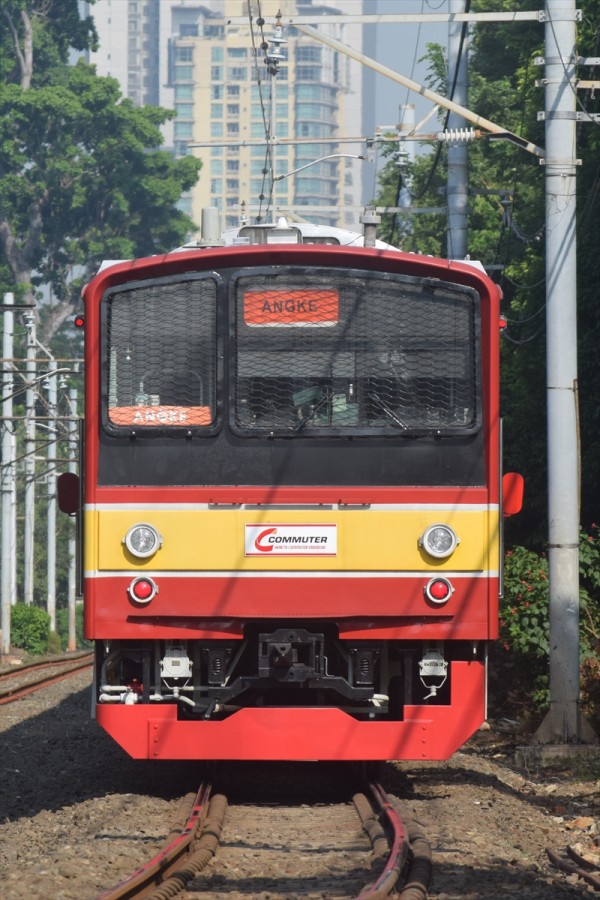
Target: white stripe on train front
x=287, y=573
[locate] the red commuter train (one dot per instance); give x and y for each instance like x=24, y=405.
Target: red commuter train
x=291, y=498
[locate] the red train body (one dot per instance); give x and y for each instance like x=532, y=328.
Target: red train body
x=292, y=501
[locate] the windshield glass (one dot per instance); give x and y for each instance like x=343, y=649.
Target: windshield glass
x=324, y=351
x=161, y=354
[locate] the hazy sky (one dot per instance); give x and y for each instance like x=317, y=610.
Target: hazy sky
x=400, y=46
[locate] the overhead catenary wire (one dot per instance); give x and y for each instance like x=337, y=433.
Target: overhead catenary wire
x=401, y=179
x=268, y=123
x=419, y=194
x=508, y=224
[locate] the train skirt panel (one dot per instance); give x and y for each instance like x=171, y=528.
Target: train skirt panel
x=426, y=732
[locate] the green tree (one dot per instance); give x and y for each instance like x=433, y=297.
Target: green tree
x=81, y=178
x=38, y=35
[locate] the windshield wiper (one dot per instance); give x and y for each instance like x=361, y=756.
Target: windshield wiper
x=379, y=404
x=325, y=398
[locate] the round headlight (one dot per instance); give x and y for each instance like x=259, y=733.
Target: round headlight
x=142, y=540
x=439, y=541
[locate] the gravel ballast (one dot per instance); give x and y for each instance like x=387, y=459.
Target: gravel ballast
x=77, y=815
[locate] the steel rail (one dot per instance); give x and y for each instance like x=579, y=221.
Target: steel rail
x=407, y=872
x=391, y=824
x=183, y=856
x=18, y=691
x=580, y=866
x=43, y=663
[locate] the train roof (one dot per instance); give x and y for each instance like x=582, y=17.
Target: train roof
x=281, y=232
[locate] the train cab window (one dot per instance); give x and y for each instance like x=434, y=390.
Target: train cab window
x=160, y=356
x=347, y=352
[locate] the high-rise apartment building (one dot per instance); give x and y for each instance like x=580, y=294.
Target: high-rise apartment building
x=130, y=40
x=262, y=128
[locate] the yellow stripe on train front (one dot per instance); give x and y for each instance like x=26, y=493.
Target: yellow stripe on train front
x=280, y=540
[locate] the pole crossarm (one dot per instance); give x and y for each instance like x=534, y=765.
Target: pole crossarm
x=399, y=18
x=444, y=102
x=377, y=138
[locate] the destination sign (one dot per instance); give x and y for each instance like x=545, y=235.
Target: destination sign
x=290, y=308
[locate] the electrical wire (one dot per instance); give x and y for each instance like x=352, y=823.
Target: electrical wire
x=44, y=445
x=432, y=171
x=590, y=203
x=396, y=220
x=268, y=124
x=504, y=235
x=520, y=341
x=522, y=288
x=530, y=318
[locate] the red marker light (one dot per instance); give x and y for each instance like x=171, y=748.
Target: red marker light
x=142, y=590
x=438, y=590
x=502, y=323
x=79, y=321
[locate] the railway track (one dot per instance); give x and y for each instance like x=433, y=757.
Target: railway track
x=17, y=683
x=574, y=863
x=393, y=859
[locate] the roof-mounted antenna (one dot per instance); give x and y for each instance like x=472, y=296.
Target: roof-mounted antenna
x=370, y=220
x=210, y=229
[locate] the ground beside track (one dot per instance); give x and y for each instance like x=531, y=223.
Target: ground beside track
x=76, y=814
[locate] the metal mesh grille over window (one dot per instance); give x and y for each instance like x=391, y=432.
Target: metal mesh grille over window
x=161, y=354
x=329, y=352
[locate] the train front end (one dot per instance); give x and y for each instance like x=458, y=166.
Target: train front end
x=291, y=502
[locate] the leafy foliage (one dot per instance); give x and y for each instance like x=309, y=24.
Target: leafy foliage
x=520, y=662
x=30, y=628
x=524, y=622
x=51, y=27
x=589, y=573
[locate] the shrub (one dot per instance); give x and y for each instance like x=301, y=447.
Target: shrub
x=519, y=663
x=30, y=628
x=589, y=573
x=524, y=612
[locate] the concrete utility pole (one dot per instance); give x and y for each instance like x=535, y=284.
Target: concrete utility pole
x=564, y=723
x=458, y=153
x=29, y=463
x=8, y=473
x=52, y=388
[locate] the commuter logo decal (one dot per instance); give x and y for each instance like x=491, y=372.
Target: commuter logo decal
x=291, y=540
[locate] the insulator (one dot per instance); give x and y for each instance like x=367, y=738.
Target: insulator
x=458, y=135
x=278, y=37
x=275, y=56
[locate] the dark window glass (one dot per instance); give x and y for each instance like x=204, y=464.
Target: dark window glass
x=324, y=351
x=160, y=358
